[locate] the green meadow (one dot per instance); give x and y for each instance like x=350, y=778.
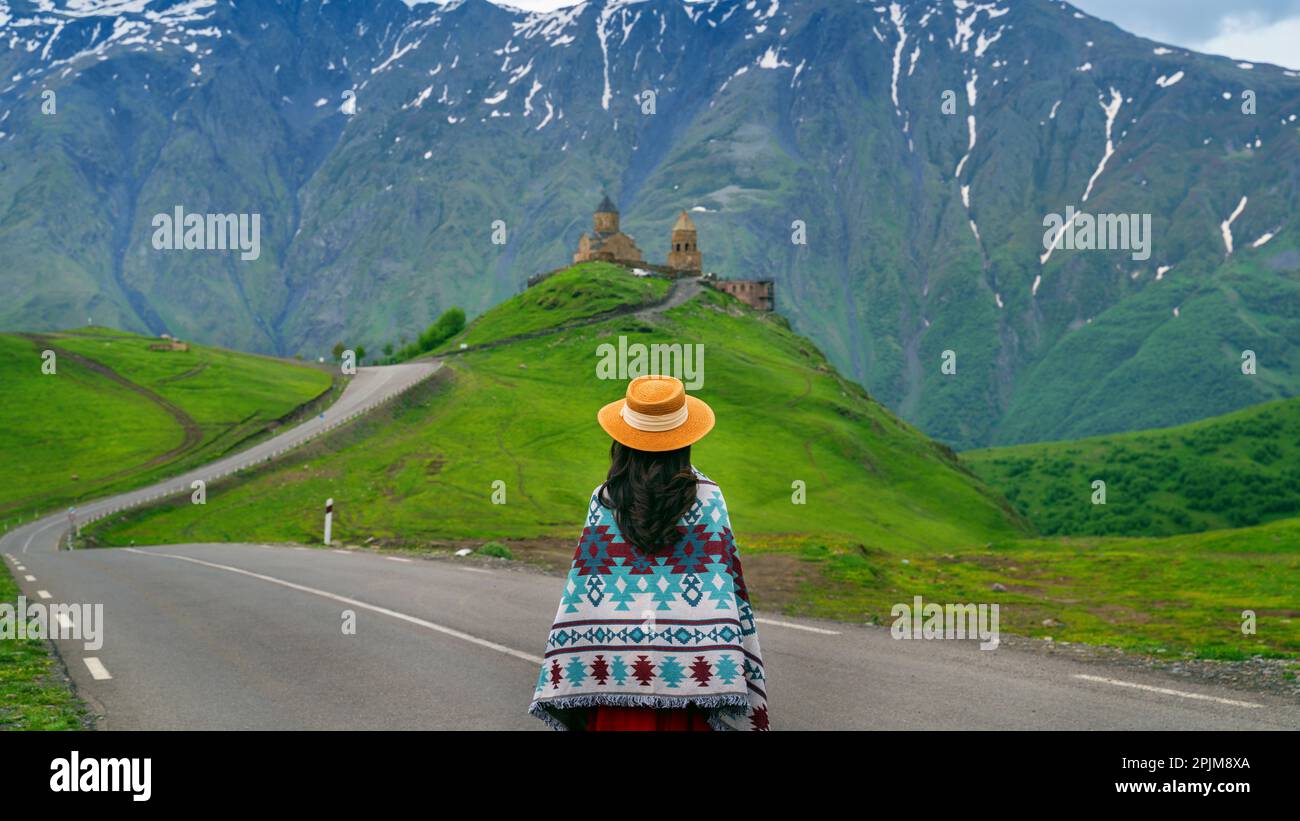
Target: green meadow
x=79, y=433
x=887, y=513
x=1235, y=470
x=1174, y=595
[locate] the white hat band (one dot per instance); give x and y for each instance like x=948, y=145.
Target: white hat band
x=647, y=422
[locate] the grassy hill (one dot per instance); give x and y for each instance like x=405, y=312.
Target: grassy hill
x=571, y=295
x=116, y=414
x=889, y=513
x=523, y=413
x=1235, y=470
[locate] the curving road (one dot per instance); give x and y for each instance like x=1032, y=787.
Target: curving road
x=369, y=388
x=247, y=636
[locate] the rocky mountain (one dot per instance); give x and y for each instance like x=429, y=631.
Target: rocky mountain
x=920, y=149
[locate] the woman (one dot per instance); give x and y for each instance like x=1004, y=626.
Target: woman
x=654, y=629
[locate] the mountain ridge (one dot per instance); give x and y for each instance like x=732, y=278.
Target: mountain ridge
x=924, y=227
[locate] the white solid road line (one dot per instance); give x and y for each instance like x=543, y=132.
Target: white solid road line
x=491, y=645
x=344, y=552
x=32, y=535
x=97, y=670
x=1166, y=691
x=44, y=594
x=794, y=626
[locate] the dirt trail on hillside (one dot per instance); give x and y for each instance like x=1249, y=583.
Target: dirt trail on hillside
x=193, y=433
x=682, y=290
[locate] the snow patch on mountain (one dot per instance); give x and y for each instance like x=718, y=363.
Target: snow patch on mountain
x=419, y=99
x=897, y=17
x=1226, y=226
x=1111, y=109
x=771, y=59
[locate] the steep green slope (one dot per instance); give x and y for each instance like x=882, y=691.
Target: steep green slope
x=573, y=294
x=1171, y=353
x=115, y=413
x=523, y=414
x=1239, y=469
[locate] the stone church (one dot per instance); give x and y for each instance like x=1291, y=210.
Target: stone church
x=607, y=242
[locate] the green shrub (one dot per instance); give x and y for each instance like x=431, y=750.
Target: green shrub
x=495, y=549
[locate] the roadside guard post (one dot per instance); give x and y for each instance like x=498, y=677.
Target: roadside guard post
x=329, y=519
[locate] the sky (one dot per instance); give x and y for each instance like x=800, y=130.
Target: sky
x=1264, y=31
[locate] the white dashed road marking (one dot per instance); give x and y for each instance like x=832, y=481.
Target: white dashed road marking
x=793, y=626
x=1166, y=691
x=44, y=594
x=97, y=670
x=29, y=578
x=325, y=594
x=397, y=559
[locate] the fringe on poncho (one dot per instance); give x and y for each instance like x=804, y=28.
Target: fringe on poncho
x=655, y=631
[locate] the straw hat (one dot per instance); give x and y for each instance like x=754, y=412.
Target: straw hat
x=656, y=415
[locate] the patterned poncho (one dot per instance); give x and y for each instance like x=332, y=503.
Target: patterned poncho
x=664, y=630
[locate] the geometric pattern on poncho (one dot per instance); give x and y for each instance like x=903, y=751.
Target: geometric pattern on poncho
x=657, y=630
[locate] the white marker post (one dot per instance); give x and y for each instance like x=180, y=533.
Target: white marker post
x=329, y=519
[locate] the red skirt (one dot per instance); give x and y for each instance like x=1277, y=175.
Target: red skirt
x=614, y=719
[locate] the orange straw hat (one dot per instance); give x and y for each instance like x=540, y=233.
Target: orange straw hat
x=656, y=415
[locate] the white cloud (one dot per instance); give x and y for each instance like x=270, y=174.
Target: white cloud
x=1244, y=38
x=1260, y=31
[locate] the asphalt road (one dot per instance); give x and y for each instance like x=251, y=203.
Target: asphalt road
x=245, y=636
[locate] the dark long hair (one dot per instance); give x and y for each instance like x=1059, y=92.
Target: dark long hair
x=648, y=492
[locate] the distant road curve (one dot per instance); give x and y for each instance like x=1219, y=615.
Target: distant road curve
x=368, y=389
